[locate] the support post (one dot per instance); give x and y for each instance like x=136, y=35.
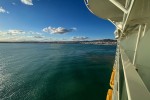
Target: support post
x=137, y=42
x=120, y=6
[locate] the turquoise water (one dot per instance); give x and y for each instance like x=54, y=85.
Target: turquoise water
x=41, y=71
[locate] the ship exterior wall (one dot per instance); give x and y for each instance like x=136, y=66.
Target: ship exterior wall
x=142, y=60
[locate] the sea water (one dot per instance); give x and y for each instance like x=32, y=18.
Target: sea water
x=44, y=71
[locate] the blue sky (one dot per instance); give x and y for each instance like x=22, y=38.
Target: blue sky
x=50, y=20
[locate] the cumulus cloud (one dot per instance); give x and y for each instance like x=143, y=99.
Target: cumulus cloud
x=12, y=32
x=38, y=36
x=59, y=30
x=82, y=38
x=2, y=10
x=15, y=32
x=27, y=2
x=34, y=33
x=20, y=35
x=20, y=32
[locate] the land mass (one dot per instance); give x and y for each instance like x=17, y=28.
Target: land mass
x=98, y=42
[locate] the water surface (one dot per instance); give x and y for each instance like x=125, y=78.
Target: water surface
x=43, y=71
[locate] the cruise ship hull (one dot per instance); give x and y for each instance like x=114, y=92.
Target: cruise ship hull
x=130, y=79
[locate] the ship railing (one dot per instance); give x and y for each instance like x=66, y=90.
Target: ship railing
x=126, y=9
x=113, y=93
x=135, y=87
x=127, y=84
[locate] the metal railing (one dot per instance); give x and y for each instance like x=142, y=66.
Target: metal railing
x=136, y=89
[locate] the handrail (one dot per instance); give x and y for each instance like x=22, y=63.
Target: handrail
x=136, y=89
x=128, y=14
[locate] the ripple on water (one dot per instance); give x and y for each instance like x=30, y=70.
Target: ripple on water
x=54, y=71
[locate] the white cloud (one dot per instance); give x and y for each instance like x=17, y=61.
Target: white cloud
x=38, y=36
x=82, y=38
x=27, y=2
x=15, y=35
x=34, y=33
x=59, y=30
x=15, y=32
x=19, y=32
x=13, y=3
x=2, y=10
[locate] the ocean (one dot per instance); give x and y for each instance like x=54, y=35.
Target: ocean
x=43, y=71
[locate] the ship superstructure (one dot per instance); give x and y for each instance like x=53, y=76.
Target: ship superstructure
x=130, y=79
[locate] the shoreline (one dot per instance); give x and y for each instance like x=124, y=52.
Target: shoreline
x=95, y=42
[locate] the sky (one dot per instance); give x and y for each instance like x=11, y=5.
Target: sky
x=51, y=20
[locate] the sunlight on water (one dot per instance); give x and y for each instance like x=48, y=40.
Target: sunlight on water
x=55, y=71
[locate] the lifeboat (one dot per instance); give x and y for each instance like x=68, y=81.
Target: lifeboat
x=112, y=78
x=109, y=94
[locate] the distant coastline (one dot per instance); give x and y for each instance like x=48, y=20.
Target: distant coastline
x=97, y=42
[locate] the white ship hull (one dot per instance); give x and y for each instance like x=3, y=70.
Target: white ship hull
x=130, y=78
